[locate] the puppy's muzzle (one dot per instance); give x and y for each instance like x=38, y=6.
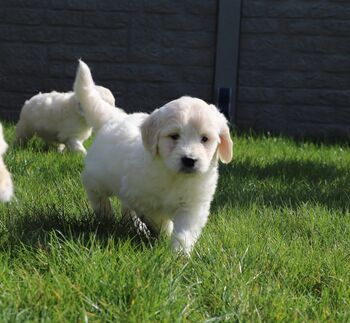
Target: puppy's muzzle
x=188, y=164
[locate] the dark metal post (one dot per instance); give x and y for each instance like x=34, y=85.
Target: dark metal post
x=227, y=51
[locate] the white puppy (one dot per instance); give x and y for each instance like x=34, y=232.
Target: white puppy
x=57, y=117
x=6, y=186
x=96, y=113
x=162, y=166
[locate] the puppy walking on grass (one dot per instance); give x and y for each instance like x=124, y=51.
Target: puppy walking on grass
x=57, y=117
x=162, y=166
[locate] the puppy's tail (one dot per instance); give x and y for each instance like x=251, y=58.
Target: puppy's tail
x=97, y=112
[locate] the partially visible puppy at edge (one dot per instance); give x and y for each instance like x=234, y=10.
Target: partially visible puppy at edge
x=57, y=118
x=162, y=166
x=6, y=185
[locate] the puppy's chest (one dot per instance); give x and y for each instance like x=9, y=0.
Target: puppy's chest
x=172, y=198
x=162, y=197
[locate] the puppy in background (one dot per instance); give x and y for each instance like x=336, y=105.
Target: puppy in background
x=162, y=166
x=59, y=118
x=6, y=186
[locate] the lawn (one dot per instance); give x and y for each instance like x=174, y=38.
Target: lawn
x=276, y=247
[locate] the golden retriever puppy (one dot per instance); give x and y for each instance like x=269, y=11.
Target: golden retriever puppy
x=6, y=186
x=57, y=117
x=163, y=166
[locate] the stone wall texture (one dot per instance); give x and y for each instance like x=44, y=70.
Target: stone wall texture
x=294, y=70
x=146, y=52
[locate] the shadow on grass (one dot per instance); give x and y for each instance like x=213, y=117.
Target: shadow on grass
x=283, y=183
x=35, y=230
x=279, y=184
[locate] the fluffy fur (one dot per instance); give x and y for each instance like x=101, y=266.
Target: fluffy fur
x=96, y=113
x=57, y=117
x=162, y=166
x=6, y=186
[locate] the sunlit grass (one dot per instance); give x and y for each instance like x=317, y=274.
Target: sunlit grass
x=276, y=246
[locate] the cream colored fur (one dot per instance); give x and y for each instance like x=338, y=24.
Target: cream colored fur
x=6, y=186
x=57, y=117
x=96, y=112
x=162, y=166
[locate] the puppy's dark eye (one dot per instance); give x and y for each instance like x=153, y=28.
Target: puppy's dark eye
x=204, y=139
x=174, y=136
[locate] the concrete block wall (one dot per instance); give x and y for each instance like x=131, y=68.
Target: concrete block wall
x=294, y=71
x=146, y=52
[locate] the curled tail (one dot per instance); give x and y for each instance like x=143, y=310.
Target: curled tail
x=96, y=110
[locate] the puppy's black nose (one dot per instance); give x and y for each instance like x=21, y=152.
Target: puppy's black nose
x=188, y=162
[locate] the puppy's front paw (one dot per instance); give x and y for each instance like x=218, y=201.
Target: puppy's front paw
x=182, y=243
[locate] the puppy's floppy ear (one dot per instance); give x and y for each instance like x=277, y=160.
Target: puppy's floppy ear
x=150, y=132
x=226, y=145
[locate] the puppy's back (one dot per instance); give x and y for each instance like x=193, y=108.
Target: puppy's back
x=46, y=103
x=117, y=146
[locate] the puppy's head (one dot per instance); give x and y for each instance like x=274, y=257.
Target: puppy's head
x=188, y=135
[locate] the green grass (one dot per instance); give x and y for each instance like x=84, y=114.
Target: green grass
x=276, y=247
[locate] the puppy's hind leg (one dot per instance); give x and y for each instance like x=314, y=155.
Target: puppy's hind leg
x=23, y=134
x=76, y=145
x=161, y=225
x=101, y=206
x=61, y=148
